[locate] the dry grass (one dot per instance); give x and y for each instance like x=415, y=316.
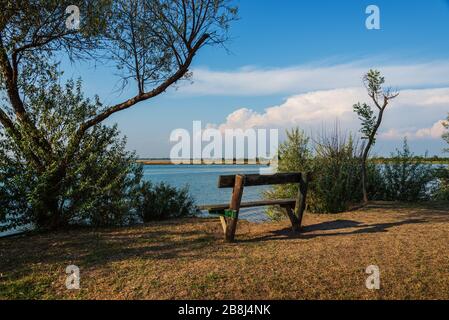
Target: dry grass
x=187, y=259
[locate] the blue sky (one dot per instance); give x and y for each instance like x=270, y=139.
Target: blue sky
x=300, y=63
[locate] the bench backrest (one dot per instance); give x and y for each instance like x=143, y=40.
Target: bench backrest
x=228, y=181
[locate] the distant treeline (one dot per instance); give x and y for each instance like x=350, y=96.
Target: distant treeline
x=166, y=161
x=434, y=159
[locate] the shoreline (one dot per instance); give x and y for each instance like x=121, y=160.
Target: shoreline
x=168, y=162
x=195, y=162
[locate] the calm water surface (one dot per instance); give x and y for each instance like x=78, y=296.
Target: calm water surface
x=203, y=180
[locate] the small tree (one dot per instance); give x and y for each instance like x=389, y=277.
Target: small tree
x=371, y=122
x=446, y=134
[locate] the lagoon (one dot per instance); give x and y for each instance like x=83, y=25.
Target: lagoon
x=203, y=181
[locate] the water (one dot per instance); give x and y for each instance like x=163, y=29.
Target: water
x=203, y=181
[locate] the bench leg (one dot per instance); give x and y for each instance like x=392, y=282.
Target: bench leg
x=302, y=197
x=236, y=199
x=223, y=223
x=296, y=224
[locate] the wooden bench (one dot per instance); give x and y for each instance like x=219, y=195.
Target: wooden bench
x=229, y=213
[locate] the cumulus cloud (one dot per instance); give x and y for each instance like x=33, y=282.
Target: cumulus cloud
x=303, y=109
x=411, y=114
x=434, y=132
x=251, y=81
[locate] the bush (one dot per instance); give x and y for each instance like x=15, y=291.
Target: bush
x=99, y=185
x=161, y=201
x=294, y=156
x=441, y=188
x=336, y=180
x=335, y=165
x=95, y=185
x=406, y=177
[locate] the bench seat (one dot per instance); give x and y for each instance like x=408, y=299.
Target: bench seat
x=229, y=212
x=221, y=207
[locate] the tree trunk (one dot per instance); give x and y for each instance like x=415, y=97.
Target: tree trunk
x=49, y=215
x=364, y=178
x=371, y=139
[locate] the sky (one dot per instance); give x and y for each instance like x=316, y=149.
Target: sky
x=300, y=63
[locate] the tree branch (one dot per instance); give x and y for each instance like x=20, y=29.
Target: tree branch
x=145, y=96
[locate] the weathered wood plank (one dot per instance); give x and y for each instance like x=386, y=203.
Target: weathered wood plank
x=235, y=205
x=302, y=197
x=251, y=204
x=228, y=181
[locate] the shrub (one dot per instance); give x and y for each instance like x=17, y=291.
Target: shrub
x=375, y=181
x=161, y=201
x=335, y=165
x=99, y=185
x=294, y=156
x=96, y=185
x=406, y=177
x=336, y=180
x=441, y=189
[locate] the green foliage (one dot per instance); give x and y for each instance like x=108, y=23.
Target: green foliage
x=370, y=123
x=97, y=185
x=374, y=81
x=336, y=174
x=59, y=165
x=375, y=181
x=294, y=156
x=335, y=164
x=161, y=201
x=405, y=178
x=446, y=134
x=366, y=116
x=441, y=190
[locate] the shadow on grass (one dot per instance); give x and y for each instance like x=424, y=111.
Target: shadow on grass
x=89, y=249
x=313, y=231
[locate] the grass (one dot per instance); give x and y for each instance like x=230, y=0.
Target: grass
x=187, y=259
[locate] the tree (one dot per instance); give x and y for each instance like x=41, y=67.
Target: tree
x=371, y=122
x=101, y=182
x=446, y=134
x=153, y=43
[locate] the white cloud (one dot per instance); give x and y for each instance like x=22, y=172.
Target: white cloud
x=319, y=95
x=250, y=81
x=434, y=132
x=303, y=109
x=411, y=114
